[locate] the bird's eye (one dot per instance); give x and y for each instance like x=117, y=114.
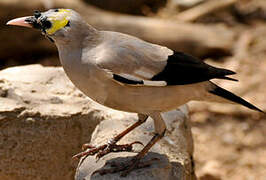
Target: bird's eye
x=45, y=23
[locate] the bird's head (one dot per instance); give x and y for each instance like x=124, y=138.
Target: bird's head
x=54, y=23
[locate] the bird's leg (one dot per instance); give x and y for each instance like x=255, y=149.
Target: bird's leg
x=111, y=145
x=135, y=163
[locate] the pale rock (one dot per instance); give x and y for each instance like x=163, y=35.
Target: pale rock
x=174, y=151
x=44, y=120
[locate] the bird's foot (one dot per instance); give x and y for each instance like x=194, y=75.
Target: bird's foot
x=102, y=150
x=125, y=167
x=113, y=147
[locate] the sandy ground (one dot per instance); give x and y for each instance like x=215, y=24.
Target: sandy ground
x=230, y=140
x=229, y=146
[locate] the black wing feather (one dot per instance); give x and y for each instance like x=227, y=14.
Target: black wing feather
x=184, y=69
x=125, y=80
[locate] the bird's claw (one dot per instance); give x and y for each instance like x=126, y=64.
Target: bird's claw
x=91, y=152
x=101, y=151
x=117, y=148
x=136, y=142
x=87, y=146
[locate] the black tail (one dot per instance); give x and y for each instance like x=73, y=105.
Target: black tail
x=232, y=97
x=224, y=73
x=227, y=78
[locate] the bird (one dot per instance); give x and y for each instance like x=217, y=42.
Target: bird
x=126, y=73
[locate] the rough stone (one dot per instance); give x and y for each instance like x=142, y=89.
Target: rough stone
x=44, y=120
x=173, y=152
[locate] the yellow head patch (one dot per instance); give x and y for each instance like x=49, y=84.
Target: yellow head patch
x=59, y=20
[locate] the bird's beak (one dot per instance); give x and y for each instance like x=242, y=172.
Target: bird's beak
x=22, y=21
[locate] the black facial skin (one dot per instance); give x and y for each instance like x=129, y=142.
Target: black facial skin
x=40, y=22
x=33, y=21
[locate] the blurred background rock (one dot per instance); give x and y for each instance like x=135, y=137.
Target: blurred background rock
x=229, y=140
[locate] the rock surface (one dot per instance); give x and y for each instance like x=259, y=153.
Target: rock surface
x=177, y=145
x=44, y=120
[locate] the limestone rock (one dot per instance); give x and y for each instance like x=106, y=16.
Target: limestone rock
x=173, y=152
x=44, y=120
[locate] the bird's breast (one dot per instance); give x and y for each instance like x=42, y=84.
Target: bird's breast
x=84, y=76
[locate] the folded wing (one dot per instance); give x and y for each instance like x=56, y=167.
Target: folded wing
x=136, y=62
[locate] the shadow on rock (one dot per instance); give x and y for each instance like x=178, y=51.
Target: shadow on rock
x=158, y=167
